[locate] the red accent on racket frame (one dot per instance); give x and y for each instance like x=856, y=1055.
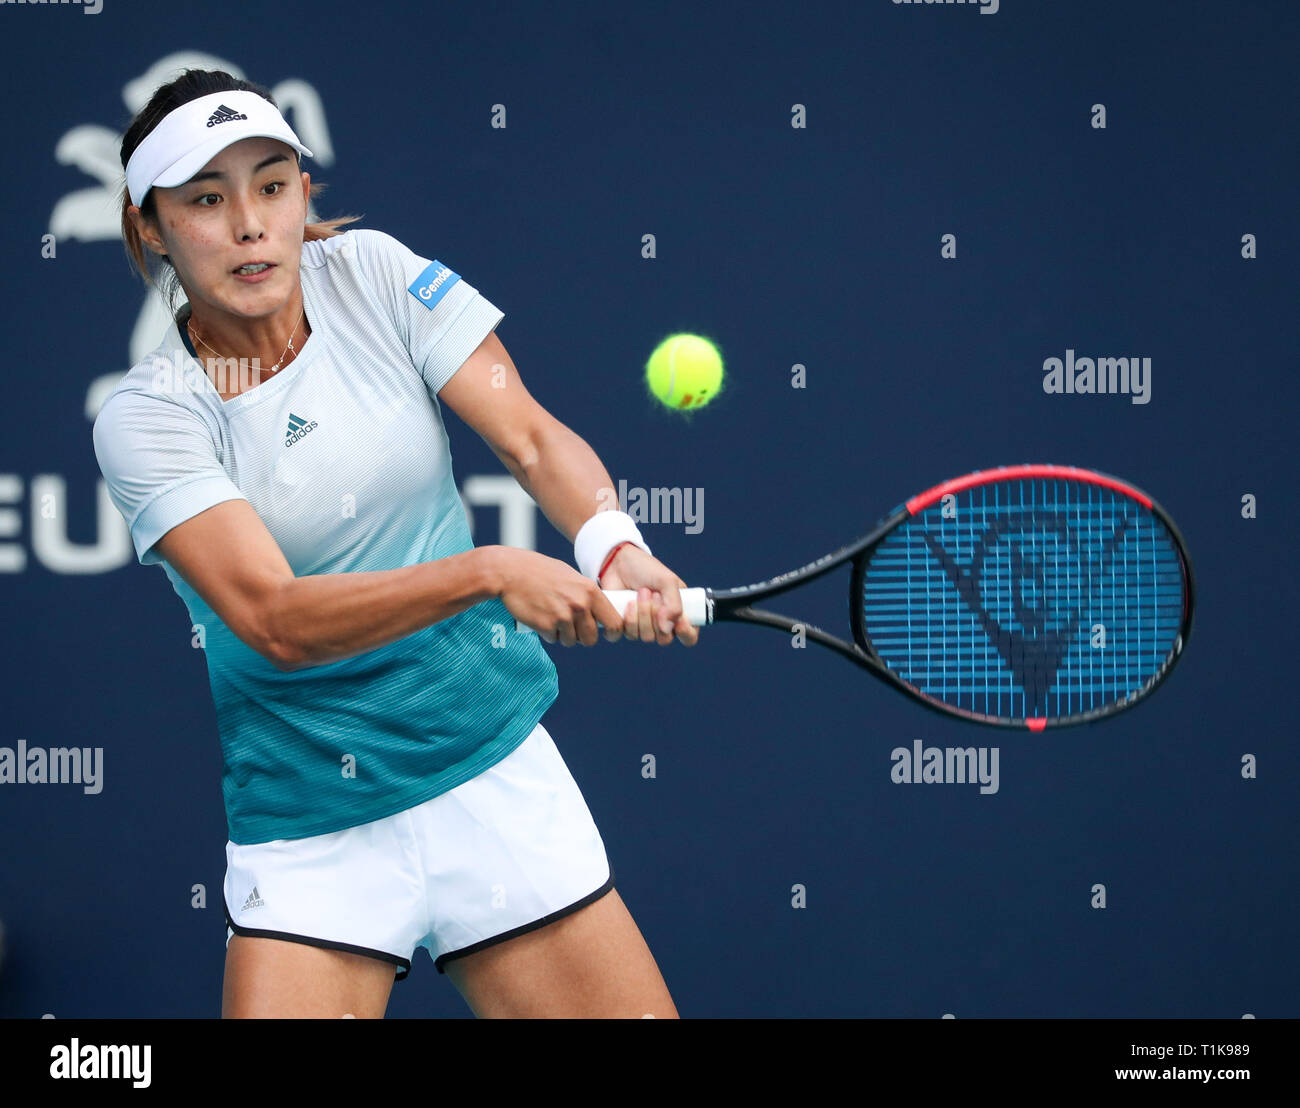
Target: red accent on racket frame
x=923, y=500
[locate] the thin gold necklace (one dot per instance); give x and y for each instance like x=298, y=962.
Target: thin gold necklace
x=288, y=346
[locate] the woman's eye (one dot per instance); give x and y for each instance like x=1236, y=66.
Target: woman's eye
x=202, y=201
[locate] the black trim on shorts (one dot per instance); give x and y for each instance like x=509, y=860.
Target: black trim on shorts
x=525, y=928
x=403, y=964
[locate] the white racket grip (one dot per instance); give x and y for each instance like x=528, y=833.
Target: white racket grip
x=695, y=605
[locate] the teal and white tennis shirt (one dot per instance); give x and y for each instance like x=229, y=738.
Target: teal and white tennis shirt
x=344, y=456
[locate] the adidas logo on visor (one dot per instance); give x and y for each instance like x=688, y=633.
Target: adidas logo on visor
x=224, y=115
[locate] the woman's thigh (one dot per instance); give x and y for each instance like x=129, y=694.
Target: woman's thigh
x=592, y=963
x=275, y=979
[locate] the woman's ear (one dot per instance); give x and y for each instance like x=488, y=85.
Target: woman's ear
x=146, y=230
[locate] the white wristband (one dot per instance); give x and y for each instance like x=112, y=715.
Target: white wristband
x=599, y=535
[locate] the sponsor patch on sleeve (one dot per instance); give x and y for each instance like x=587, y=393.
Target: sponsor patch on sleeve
x=432, y=284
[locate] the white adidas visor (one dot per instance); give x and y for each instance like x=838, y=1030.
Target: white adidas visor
x=195, y=133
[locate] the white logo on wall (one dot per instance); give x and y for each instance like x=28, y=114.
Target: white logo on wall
x=93, y=215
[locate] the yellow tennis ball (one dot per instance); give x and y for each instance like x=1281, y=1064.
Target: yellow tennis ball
x=685, y=371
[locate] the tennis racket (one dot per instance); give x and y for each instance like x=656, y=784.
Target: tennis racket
x=1027, y=596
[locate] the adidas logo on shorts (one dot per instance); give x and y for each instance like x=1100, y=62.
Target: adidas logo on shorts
x=224, y=115
x=253, y=901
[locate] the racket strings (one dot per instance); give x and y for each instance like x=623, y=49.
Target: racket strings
x=1027, y=599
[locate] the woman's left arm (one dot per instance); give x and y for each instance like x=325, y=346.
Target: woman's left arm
x=561, y=472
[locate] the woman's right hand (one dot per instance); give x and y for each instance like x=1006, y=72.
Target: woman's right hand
x=553, y=598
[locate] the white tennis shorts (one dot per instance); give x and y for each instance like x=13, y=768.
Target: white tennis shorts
x=499, y=855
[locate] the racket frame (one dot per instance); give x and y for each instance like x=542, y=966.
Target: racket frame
x=736, y=604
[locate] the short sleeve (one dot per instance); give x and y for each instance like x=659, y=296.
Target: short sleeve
x=441, y=318
x=160, y=466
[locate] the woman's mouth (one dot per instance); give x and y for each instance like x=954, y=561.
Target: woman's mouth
x=254, y=271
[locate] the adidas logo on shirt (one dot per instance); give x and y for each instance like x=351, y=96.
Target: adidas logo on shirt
x=298, y=427
x=224, y=115
x=253, y=901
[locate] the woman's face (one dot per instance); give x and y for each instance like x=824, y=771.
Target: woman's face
x=248, y=204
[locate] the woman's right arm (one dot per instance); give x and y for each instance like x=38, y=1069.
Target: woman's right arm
x=227, y=555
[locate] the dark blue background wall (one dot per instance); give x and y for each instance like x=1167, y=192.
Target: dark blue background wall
x=817, y=247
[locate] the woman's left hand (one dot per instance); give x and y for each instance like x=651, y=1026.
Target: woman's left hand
x=656, y=614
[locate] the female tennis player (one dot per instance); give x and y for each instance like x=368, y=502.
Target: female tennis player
x=387, y=780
